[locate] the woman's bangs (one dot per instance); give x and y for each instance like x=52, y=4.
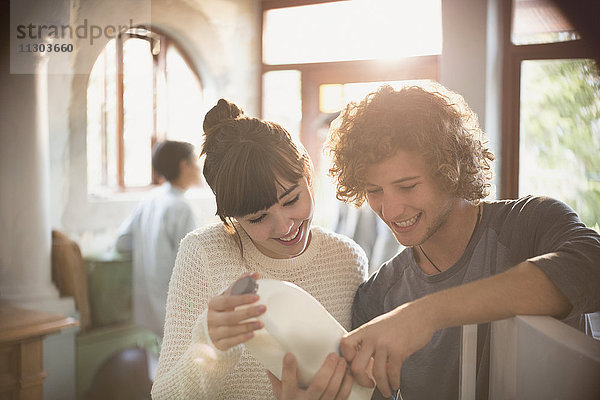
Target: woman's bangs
x=250, y=181
x=287, y=170
x=253, y=187
x=249, y=189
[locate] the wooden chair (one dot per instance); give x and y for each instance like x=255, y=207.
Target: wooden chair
x=69, y=276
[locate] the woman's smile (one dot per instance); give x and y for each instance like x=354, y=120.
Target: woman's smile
x=293, y=237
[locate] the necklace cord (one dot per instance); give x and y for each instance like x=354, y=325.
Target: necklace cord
x=472, y=233
x=429, y=259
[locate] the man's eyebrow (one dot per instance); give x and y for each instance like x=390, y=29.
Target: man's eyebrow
x=288, y=191
x=397, y=181
x=402, y=180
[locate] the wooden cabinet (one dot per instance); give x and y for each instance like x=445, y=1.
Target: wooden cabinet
x=21, y=357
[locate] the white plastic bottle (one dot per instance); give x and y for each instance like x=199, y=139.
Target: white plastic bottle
x=294, y=322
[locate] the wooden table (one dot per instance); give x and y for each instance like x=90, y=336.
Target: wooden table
x=21, y=357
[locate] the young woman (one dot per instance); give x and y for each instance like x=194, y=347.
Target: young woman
x=262, y=184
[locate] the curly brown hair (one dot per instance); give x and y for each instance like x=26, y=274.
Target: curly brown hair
x=429, y=119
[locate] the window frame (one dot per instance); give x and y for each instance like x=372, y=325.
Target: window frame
x=513, y=56
x=312, y=75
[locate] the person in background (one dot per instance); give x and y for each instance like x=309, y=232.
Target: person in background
x=153, y=232
x=262, y=182
x=370, y=232
x=419, y=158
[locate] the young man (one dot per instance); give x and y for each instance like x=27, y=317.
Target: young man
x=419, y=159
x=153, y=232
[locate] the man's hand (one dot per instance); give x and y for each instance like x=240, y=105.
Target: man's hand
x=389, y=339
x=332, y=381
x=392, y=337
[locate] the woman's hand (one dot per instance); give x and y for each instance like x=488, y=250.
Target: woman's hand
x=227, y=327
x=331, y=382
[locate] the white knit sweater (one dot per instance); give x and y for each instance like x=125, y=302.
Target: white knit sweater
x=209, y=260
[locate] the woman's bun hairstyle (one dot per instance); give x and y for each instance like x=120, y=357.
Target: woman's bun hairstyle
x=224, y=111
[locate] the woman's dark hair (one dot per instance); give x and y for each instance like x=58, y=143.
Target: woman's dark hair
x=246, y=159
x=167, y=155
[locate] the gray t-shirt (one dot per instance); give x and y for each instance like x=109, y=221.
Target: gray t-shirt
x=541, y=230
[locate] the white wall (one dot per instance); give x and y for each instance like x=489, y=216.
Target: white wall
x=462, y=66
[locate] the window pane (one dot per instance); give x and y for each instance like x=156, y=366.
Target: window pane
x=102, y=123
x=282, y=100
x=95, y=134
x=110, y=99
x=352, y=30
x=334, y=97
x=560, y=134
x=138, y=104
x=185, y=103
x=539, y=21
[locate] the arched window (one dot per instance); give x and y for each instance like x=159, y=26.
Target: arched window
x=142, y=89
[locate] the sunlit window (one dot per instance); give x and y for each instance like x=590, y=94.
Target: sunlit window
x=551, y=125
x=141, y=90
x=138, y=106
x=282, y=100
x=560, y=133
x=334, y=97
x=352, y=30
x=318, y=57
